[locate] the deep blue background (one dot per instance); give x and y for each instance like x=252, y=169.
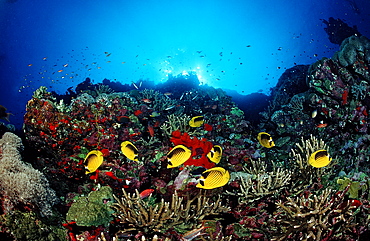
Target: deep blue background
x=234, y=44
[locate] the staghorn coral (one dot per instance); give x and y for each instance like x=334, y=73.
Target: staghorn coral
x=257, y=182
x=181, y=123
x=304, y=173
x=19, y=181
x=315, y=217
x=137, y=214
x=158, y=101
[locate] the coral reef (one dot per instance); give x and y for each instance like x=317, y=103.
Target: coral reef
x=298, y=188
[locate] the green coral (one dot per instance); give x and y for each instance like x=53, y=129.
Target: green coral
x=236, y=111
x=41, y=93
x=353, y=189
x=26, y=226
x=93, y=210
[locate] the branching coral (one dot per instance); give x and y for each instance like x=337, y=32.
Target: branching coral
x=157, y=100
x=180, y=123
x=260, y=182
x=137, y=214
x=315, y=217
x=303, y=171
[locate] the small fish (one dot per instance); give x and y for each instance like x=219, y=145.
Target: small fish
x=136, y=87
x=66, y=65
x=167, y=93
x=322, y=125
x=146, y=101
x=155, y=114
x=129, y=150
x=29, y=65
x=192, y=234
x=182, y=96
x=170, y=107
x=178, y=155
x=3, y=114
x=215, y=154
x=314, y=114
x=151, y=130
x=60, y=70
x=194, y=97
x=319, y=159
x=146, y=193
x=138, y=112
x=93, y=160
x=196, y=121
x=213, y=178
x=265, y=140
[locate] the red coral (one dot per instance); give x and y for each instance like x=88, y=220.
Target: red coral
x=207, y=127
x=199, y=149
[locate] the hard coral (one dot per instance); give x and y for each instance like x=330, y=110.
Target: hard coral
x=315, y=217
x=142, y=215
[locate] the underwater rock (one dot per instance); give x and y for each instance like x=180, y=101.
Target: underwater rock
x=339, y=30
x=291, y=82
x=353, y=49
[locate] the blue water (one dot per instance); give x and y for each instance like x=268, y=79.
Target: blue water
x=231, y=44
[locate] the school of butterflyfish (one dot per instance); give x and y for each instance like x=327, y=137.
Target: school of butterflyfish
x=211, y=178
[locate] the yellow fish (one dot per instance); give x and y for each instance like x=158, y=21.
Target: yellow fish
x=265, y=139
x=196, y=121
x=215, y=154
x=213, y=178
x=319, y=159
x=129, y=150
x=93, y=160
x=178, y=155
